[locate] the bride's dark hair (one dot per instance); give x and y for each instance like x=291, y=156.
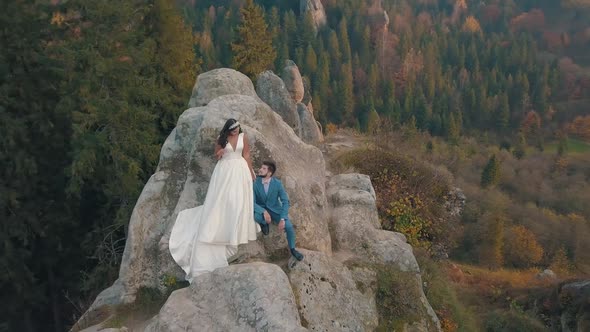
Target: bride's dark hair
x=222, y=140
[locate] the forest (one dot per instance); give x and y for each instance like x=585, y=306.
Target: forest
x=494, y=95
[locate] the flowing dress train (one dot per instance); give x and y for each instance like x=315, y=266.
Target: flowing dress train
x=204, y=237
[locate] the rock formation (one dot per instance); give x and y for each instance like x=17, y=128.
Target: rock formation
x=238, y=298
x=317, y=12
x=291, y=100
x=333, y=289
x=293, y=81
x=272, y=90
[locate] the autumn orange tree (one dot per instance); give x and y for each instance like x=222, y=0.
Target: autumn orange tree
x=580, y=127
x=471, y=24
x=521, y=248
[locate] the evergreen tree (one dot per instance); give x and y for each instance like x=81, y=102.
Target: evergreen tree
x=520, y=147
x=344, y=41
x=253, y=51
x=539, y=97
x=562, y=146
x=422, y=111
x=335, y=54
x=503, y=117
x=177, y=65
x=345, y=93
x=299, y=56
x=282, y=56
x=36, y=245
x=372, y=82
x=289, y=35
x=373, y=121
x=311, y=60
x=453, y=130
x=493, y=247
x=560, y=263
x=307, y=31
x=491, y=173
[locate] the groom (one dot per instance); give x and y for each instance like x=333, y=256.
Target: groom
x=271, y=203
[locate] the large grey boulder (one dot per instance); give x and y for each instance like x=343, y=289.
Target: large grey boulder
x=244, y=297
x=317, y=12
x=293, y=81
x=272, y=90
x=329, y=298
x=574, y=301
x=310, y=132
x=219, y=82
x=181, y=181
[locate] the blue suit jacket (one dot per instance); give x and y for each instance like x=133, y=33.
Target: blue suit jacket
x=276, y=200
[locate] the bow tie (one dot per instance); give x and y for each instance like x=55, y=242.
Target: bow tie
x=266, y=181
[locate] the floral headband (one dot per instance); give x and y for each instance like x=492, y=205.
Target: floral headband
x=236, y=124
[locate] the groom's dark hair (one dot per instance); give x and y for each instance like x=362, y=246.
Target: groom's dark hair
x=272, y=167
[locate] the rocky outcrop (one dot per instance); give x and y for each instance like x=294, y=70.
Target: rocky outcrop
x=293, y=81
x=323, y=285
x=355, y=228
x=272, y=90
x=355, y=224
x=574, y=300
x=245, y=297
x=455, y=202
x=181, y=181
x=310, y=132
x=291, y=100
x=220, y=82
x=317, y=11
x=327, y=291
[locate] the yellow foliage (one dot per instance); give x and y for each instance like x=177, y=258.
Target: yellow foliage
x=580, y=127
x=521, y=247
x=58, y=19
x=331, y=128
x=471, y=25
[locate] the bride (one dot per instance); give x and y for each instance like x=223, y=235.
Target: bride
x=204, y=237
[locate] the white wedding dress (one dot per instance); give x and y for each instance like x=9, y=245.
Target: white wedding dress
x=204, y=237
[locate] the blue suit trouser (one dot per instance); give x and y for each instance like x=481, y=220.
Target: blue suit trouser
x=289, y=230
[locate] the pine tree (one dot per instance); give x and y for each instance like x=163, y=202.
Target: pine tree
x=373, y=82
x=408, y=105
x=289, y=36
x=299, y=56
x=373, y=121
x=282, y=56
x=253, y=51
x=520, y=147
x=503, y=113
x=562, y=146
x=177, y=65
x=560, y=263
x=491, y=173
x=345, y=93
x=34, y=149
x=311, y=60
x=344, y=40
x=422, y=111
x=307, y=31
x=335, y=54
x=492, y=249
x=453, y=129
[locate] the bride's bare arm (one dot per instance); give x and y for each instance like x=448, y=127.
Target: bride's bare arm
x=218, y=151
x=246, y=155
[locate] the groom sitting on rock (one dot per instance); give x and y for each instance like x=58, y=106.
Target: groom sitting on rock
x=271, y=203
